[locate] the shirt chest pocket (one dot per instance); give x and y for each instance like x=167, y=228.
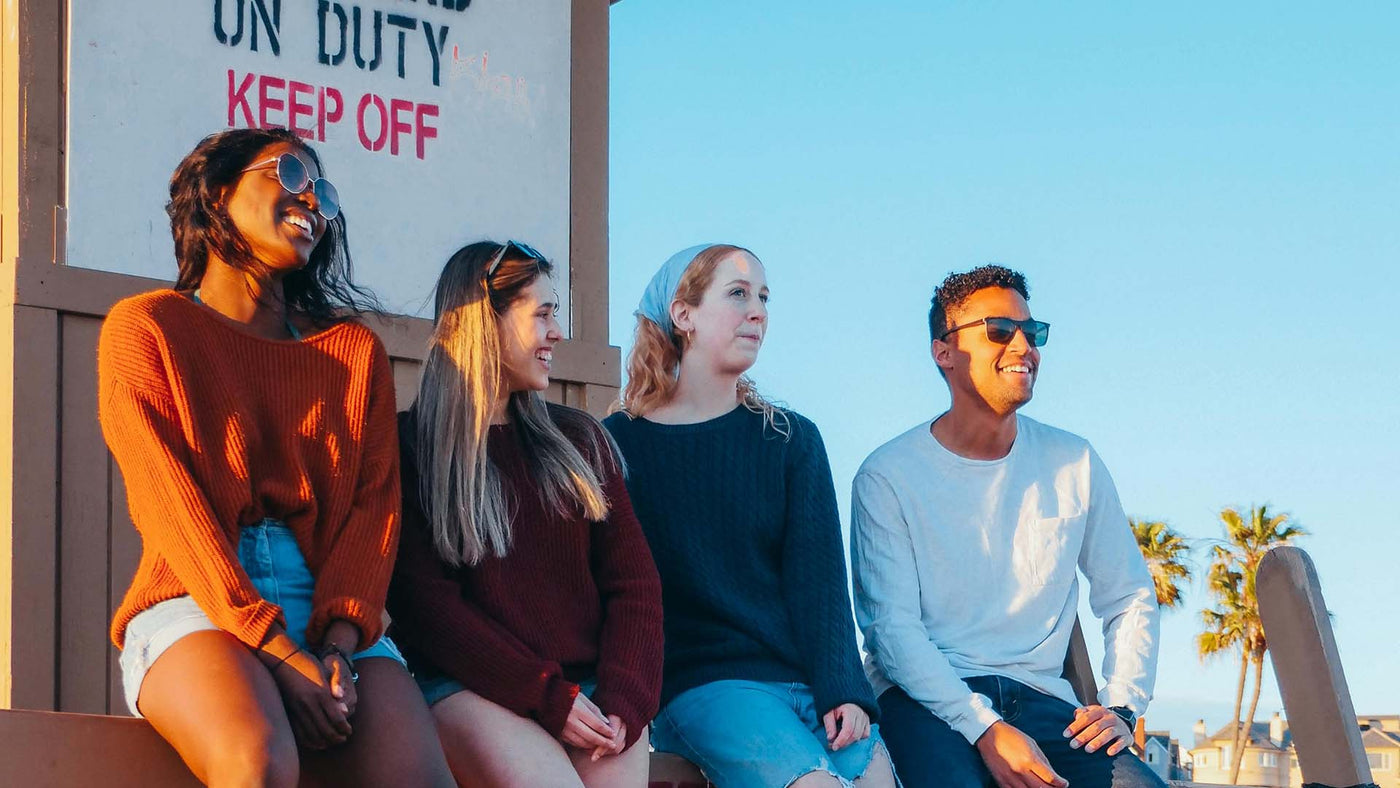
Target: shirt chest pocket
x=1048, y=549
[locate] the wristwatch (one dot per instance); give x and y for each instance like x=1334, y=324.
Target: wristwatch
x=1126, y=714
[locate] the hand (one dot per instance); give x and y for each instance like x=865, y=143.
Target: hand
x=846, y=724
x=1096, y=727
x=318, y=719
x=619, y=742
x=345, y=636
x=586, y=726
x=342, y=681
x=1015, y=760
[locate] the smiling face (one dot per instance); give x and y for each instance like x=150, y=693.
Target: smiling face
x=726, y=329
x=282, y=228
x=1002, y=377
x=528, y=331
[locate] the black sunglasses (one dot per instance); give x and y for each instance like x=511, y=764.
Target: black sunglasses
x=1002, y=330
x=525, y=249
x=292, y=174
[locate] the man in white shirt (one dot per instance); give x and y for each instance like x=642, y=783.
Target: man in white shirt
x=966, y=534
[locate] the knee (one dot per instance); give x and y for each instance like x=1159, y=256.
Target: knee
x=817, y=779
x=420, y=766
x=257, y=758
x=425, y=776
x=879, y=773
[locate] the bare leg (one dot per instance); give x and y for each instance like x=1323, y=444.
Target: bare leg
x=817, y=779
x=879, y=774
x=395, y=741
x=628, y=769
x=219, y=708
x=490, y=746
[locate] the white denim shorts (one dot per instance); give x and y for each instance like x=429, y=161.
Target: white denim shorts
x=268, y=552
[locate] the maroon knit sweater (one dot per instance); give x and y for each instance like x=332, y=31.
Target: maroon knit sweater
x=572, y=599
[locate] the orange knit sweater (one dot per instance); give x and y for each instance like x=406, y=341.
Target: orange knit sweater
x=215, y=429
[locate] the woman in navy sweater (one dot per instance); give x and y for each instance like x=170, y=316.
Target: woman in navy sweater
x=762, y=684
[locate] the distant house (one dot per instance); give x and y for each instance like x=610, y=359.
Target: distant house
x=1380, y=735
x=1162, y=754
x=1270, y=761
x=1267, y=762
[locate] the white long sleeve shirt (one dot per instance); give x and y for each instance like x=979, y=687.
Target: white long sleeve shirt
x=967, y=567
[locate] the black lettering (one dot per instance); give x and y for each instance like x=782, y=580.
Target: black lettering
x=273, y=23
x=404, y=23
x=378, y=39
x=450, y=5
x=322, y=8
x=436, y=44
x=219, y=33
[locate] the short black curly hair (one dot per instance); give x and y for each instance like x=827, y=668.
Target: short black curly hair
x=958, y=287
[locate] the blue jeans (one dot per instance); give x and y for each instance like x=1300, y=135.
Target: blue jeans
x=268, y=552
x=927, y=752
x=756, y=734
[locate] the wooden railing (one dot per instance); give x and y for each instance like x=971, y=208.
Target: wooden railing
x=1308, y=667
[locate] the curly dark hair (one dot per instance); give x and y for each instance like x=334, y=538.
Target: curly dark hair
x=322, y=289
x=958, y=287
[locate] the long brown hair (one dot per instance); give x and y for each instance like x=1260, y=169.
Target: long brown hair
x=461, y=489
x=653, y=365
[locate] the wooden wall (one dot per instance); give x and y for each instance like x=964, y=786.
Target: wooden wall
x=67, y=546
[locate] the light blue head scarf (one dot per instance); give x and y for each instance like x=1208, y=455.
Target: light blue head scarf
x=661, y=290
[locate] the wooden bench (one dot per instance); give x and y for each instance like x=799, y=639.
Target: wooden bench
x=39, y=749
x=44, y=748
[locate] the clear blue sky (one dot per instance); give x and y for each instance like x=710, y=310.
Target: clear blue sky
x=1205, y=198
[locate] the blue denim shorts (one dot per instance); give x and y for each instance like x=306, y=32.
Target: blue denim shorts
x=268, y=552
x=757, y=734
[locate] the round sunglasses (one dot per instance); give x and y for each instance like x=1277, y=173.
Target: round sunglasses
x=1002, y=330
x=292, y=174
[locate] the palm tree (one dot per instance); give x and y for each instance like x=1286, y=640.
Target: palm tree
x=1165, y=551
x=1234, y=621
x=1227, y=627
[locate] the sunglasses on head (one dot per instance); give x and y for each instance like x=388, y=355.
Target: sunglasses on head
x=525, y=249
x=292, y=174
x=1002, y=330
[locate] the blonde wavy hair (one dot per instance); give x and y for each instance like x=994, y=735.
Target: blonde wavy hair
x=653, y=365
x=461, y=490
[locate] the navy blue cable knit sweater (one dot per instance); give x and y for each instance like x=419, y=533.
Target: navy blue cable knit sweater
x=744, y=530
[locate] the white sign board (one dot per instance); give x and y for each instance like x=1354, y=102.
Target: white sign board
x=441, y=122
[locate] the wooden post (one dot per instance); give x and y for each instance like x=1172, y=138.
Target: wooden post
x=1309, y=671
x=1079, y=671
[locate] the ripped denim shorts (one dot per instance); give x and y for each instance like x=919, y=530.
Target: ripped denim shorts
x=757, y=734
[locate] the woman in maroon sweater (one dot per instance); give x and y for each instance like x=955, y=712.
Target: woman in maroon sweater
x=524, y=593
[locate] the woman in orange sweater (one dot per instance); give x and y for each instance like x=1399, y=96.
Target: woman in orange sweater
x=254, y=427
